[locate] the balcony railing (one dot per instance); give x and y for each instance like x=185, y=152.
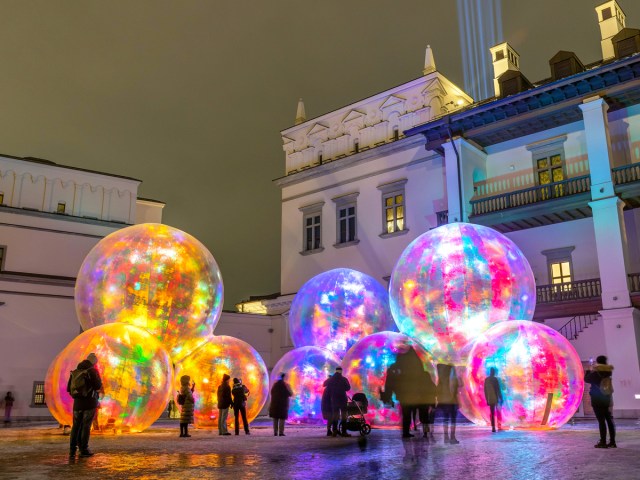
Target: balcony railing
x=634, y=282
x=626, y=174
x=539, y=193
x=577, y=290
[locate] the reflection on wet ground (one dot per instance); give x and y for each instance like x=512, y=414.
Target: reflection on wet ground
x=305, y=452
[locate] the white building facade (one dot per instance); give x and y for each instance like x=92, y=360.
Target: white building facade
x=554, y=165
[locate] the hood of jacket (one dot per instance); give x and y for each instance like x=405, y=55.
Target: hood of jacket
x=603, y=368
x=85, y=365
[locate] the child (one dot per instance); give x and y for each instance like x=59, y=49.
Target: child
x=186, y=415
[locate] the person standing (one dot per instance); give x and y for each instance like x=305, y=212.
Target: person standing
x=279, y=407
x=493, y=396
x=224, y=402
x=83, y=386
x=325, y=406
x=188, y=404
x=8, y=405
x=447, y=393
x=338, y=387
x=240, y=393
x=600, y=377
x=427, y=406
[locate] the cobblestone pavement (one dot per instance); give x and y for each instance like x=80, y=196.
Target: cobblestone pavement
x=35, y=452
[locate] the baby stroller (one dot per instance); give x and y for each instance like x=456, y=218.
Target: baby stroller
x=356, y=408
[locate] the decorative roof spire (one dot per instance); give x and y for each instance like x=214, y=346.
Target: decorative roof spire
x=429, y=62
x=300, y=115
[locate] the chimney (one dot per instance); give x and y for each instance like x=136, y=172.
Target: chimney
x=429, y=62
x=301, y=116
x=504, y=58
x=611, y=19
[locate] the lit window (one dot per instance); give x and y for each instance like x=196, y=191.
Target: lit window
x=61, y=207
x=393, y=208
x=560, y=266
x=560, y=272
x=312, y=228
x=37, y=399
x=1, y=198
x=346, y=219
x=548, y=165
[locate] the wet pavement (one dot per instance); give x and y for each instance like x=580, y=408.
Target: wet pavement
x=41, y=451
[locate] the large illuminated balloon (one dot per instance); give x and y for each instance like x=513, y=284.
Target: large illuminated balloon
x=539, y=371
x=365, y=366
x=335, y=309
x=206, y=366
x=306, y=369
x=155, y=277
x=136, y=376
x=455, y=281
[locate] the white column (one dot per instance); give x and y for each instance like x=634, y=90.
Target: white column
x=621, y=334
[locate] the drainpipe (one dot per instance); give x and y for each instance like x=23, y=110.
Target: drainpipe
x=455, y=149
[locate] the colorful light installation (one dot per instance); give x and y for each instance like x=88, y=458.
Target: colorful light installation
x=136, y=375
x=365, y=366
x=155, y=277
x=335, y=309
x=206, y=366
x=455, y=281
x=306, y=369
x=540, y=373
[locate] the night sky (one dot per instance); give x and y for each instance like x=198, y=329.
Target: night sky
x=190, y=96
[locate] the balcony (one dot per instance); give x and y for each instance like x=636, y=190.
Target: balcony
x=579, y=297
x=534, y=206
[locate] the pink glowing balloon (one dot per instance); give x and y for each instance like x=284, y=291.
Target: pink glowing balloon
x=539, y=371
x=365, y=366
x=306, y=369
x=136, y=375
x=206, y=366
x=155, y=277
x=455, y=281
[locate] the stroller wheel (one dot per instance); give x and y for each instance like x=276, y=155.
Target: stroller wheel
x=365, y=429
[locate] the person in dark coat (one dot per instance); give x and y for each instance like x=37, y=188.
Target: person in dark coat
x=279, y=406
x=84, y=407
x=187, y=409
x=338, y=387
x=325, y=406
x=224, y=402
x=601, y=402
x=493, y=396
x=427, y=405
x=405, y=379
x=8, y=405
x=240, y=393
x=447, y=393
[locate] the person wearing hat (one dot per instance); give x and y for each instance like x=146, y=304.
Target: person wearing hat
x=279, y=406
x=224, y=402
x=83, y=385
x=240, y=393
x=338, y=386
x=186, y=412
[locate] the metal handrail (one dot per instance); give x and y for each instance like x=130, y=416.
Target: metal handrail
x=576, y=325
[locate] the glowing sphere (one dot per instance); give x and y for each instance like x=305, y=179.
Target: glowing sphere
x=155, y=277
x=206, y=365
x=539, y=371
x=306, y=369
x=335, y=309
x=455, y=281
x=365, y=366
x=136, y=376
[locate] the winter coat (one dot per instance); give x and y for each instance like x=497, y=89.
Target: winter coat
x=95, y=385
x=594, y=377
x=279, y=406
x=448, y=385
x=186, y=410
x=338, y=387
x=240, y=393
x=492, y=391
x=224, y=396
x=8, y=400
x=406, y=378
x=325, y=403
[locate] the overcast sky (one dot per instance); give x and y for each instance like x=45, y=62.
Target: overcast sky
x=190, y=96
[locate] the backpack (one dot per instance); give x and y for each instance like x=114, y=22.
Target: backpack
x=79, y=384
x=606, y=386
x=181, y=398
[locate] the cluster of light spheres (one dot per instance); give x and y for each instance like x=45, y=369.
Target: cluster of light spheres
x=136, y=374
x=306, y=369
x=366, y=364
x=336, y=308
x=540, y=374
x=155, y=277
x=454, y=282
x=206, y=366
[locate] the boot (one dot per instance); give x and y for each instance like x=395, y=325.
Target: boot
x=601, y=444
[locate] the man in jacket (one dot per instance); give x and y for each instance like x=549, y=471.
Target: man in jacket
x=338, y=387
x=601, y=401
x=84, y=405
x=224, y=402
x=493, y=396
